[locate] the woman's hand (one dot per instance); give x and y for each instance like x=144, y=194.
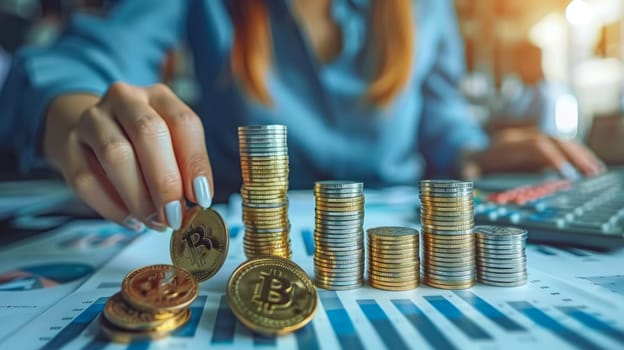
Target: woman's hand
x=133, y=155
x=526, y=149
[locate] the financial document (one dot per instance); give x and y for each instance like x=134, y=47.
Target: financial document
x=574, y=300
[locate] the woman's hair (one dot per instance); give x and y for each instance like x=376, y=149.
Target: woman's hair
x=391, y=47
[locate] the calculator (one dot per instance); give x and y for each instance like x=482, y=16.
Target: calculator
x=586, y=213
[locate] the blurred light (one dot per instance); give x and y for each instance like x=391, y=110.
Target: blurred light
x=566, y=116
x=579, y=12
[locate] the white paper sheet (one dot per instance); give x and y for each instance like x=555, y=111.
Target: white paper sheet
x=551, y=311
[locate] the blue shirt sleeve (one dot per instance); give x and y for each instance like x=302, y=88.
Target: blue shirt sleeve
x=129, y=44
x=447, y=126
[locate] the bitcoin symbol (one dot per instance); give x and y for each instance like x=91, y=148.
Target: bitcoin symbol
x=195, y=238
x=273, y=292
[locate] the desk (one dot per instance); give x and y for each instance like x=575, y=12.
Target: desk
x=574, y=298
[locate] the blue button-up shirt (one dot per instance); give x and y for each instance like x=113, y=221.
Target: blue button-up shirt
x=331, y=132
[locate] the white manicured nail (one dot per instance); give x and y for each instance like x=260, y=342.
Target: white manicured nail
x=202, y=192
x=569, y=172
x=173, y=212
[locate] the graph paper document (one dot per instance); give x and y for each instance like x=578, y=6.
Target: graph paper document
x=574, y=300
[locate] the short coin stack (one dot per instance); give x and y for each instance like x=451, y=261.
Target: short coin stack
x=339, y=235
x=393, y=258
x=264, y=166
x=501, y=257
x=153, y=302
x=447, y=217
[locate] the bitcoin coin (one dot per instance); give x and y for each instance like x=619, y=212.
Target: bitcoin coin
x=201, y=245
x=271, y=295
x=159, y=288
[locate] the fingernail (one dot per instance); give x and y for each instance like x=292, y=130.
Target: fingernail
x=569, y=172
x=173, y=212
x=133, y=224
x=202, y=192
x=155, y=224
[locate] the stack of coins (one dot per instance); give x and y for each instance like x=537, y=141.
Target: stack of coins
x=271, y=295
x=153, y=302
x=447, y=217
x=339, y=235
x=264, y=166
x=393, y=258
x=501, y=257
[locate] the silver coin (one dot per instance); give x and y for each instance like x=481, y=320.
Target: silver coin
x=517, y=283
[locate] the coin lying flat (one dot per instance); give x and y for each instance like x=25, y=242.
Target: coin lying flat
x=201, y=245
x=158, y=288
x=271, y=295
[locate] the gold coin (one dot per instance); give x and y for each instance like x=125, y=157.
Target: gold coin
x=121, y=314
x=158, y=288
x=122, y=335
x=201, y=244
x=271, y=295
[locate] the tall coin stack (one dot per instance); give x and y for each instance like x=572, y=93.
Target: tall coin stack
x=501, y=257
x=447, y=217
x=264, y=166
x=339, y=235
x=393, y=258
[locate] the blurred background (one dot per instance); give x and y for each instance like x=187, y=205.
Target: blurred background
x=552, y=64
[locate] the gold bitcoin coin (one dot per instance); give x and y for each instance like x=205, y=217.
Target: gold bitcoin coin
x=158, y=288
x=271, y=295
x=121, y=314
x=200, y=246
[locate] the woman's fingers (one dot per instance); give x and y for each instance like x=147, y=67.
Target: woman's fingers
x=187, y=135
x=151, y=141
x=580, y=157
x=116, y=156
x=85, y=176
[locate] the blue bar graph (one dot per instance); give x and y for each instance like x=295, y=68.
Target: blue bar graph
x=306, y=338
x=380, y=321
x=457, y=318
x=136, y=345
x=235, y=231
x=189, y=329
x=105, y=285
x=594, y=323
x=264, y=340
x=545, y=251
x=225, y=324
x=576, y=252
x=340, y=321
x=77, y=325
x=423, y=324
x=543, y=320
x=308, y=241
x=489, y=311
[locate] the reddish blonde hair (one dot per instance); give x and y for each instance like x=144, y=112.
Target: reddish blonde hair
x=392, y=47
